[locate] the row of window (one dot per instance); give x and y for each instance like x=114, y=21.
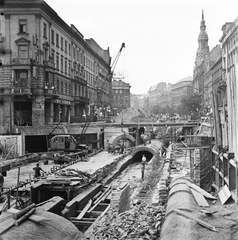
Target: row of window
x=62, y=64
x=118, y=97
x=121, y=91
x=59, y=41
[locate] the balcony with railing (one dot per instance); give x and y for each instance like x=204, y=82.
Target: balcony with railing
x=22, y=91
x=50, y=93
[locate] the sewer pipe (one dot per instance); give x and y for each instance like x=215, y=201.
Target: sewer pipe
x=176, y=226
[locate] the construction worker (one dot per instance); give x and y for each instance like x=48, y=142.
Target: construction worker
x=143, y=162
x=38, y=170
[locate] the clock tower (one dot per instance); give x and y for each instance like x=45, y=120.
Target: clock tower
x=202, y=58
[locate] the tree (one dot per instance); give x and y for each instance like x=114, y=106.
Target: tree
x=168, y=110
x=190, y=105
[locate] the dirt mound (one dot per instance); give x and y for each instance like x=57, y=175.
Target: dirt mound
x=133, y=114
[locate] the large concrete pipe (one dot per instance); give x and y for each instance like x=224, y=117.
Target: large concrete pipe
x=176, y=226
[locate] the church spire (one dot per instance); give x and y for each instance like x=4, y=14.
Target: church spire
x=203, y=37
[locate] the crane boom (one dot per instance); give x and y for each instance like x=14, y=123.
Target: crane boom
x=117, y=57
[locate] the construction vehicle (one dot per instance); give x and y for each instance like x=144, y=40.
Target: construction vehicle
x=67, y=143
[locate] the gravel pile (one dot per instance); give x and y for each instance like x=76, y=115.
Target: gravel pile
x=142, y=221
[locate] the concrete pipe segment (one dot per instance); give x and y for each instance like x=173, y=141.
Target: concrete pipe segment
x=176, y=226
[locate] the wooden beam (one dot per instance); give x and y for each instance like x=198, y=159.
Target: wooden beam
x=200, y=199
x=200, y=190
x=85, y=209
x=192, y=148
x=202, y=223
x=99, y=200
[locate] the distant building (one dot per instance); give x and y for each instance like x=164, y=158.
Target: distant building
x=137, y=100
x=181, y=89
x=165, y=97
x=120, y=95
x=153, y=93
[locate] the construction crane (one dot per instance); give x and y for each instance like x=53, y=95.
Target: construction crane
x=110, y=74
x=113, y=66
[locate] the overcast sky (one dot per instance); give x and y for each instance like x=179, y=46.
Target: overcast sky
x=160, y=35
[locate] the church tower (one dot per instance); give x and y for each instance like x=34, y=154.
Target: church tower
x=202, y=58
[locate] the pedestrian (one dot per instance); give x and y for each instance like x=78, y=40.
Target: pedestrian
x=38, y=170
x=143, y=162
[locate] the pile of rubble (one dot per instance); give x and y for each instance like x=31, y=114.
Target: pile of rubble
x=82, y=176
x=141, y=221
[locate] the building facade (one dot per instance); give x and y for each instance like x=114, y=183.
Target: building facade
x=206, y=104
x=229, y=41
x=48, y=71
x=154, y=92
x=120, y=95
x=181, y=89
x=165, y=97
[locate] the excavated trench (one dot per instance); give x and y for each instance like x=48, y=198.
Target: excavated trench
x=128, y=184
x=85, y=208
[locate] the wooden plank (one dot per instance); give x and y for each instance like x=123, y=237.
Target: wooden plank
x=200, y=190
x=106, y=195
x=200, y=199
x=207, y=212
x=97, y=195
x=24, y=217
x=6, y=225
x=4, y=206
x=22, y=212
x=85, y=209
x=99, y=199
x=34, y=218
x=224, y=194
x=202, y=223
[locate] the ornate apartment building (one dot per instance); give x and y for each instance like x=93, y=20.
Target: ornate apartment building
x=120, y=95
x=49, y=73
